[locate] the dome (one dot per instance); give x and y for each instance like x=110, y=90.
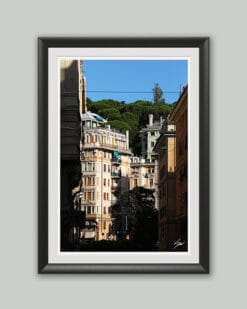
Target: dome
x=92, y=116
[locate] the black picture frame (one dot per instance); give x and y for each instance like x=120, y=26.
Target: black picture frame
x=202, y=43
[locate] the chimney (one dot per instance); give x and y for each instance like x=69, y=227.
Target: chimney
x=150, y=116
x=127, y=139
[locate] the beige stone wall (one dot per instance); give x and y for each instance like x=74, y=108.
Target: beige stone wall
x=98, y=149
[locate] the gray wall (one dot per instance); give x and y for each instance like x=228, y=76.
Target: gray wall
x=21, y=23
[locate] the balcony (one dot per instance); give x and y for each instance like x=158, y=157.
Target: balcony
x=87, y=203
x=116, y=161
x=116, y=174
x=89, y=145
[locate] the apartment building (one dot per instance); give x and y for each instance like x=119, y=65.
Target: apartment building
x=179, y=116
x=142, y=173
x=105, y=167
x=165, y=150
x=149, y=136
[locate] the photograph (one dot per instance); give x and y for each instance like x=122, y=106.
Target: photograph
x=124, y=155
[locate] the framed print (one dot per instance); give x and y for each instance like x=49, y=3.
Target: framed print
x=123, y=166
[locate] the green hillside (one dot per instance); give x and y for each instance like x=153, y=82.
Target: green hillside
x=131, y=116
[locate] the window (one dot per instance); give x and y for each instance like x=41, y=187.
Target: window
x=90, y=167
x=152, y=144
x=152, y=133
x=104, y=167
x=104, y=181
x=109, y=168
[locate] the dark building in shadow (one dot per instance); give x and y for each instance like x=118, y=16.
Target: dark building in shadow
x=72, y=96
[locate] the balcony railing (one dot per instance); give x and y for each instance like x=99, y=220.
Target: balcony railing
x=90, y=145
x=116, y=174
x=116, y=161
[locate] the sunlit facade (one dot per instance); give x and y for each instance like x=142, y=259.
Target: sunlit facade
x=105, y=167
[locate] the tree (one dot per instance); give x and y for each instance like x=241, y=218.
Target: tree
x=132, y=116
x=110, y=113
x=136, y=216
x=158, y=94
x=119, y=125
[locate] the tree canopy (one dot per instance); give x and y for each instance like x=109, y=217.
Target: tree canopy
x=132, y=116
x=136, y=217
x=110, y=113
x=120, y=125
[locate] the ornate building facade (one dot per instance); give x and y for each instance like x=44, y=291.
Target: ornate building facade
x=105, y=168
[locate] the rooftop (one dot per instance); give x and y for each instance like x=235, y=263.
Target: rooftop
x=92, y=116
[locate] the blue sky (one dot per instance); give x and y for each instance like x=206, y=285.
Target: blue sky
x=134, y=76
